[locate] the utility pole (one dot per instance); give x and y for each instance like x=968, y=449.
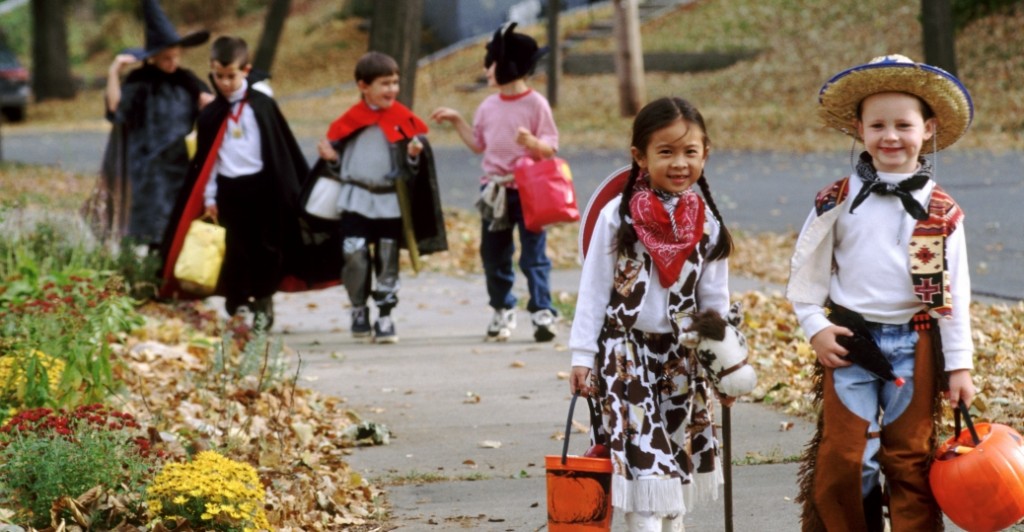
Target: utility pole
x=629, y=58
x=939, y=34
x=554, y=53
x=273, y=26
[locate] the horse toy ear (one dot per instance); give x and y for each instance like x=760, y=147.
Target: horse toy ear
x=722, y=349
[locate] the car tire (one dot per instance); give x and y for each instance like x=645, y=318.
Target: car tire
x=14, y=114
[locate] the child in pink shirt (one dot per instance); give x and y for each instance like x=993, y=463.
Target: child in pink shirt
x=513, y=123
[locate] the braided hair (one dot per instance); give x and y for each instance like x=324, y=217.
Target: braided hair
x=655, y=116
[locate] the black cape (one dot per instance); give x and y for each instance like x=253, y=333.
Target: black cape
x=282, y=159
x=425, y=203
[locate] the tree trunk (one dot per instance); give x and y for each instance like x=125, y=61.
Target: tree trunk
x=51, y=66
x=629, y=59
x=396, y=30
x=273, y=26
x=939, y=35
x=554, y=53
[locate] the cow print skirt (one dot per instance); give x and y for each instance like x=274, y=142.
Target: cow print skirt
x=657, y=420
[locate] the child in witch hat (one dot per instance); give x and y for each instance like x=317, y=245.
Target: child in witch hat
x=152, y=111
x=514, y=123
x=887, y=244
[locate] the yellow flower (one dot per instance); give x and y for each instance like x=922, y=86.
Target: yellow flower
x=230, y=493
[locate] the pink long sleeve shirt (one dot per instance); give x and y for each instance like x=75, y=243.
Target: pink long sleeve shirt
x=495, y=124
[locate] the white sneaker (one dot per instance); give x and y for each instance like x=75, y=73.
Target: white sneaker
x=502, y=323
x=543, y=325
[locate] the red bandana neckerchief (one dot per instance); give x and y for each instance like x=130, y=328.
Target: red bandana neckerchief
x=669, y=240
x=397, y=122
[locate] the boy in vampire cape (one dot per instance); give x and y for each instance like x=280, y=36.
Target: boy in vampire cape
x=247, y=174
x=388, y=195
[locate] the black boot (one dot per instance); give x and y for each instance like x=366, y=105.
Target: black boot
x=873, y=510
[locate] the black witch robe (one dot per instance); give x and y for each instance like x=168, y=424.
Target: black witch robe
x=283, y=163
x=146, y=158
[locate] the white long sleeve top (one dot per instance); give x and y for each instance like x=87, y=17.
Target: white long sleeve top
x=241, y=151
x=597, y=280
x=871, y=269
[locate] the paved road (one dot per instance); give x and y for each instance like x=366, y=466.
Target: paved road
x=757, y=191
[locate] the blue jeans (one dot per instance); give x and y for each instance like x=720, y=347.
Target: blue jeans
x=875, y=400
x=496, y=250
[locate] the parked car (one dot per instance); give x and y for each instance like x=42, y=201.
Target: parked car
x=14, y=89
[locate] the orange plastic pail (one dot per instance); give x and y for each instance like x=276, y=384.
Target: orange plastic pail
x=579, y=487
x=579, y=493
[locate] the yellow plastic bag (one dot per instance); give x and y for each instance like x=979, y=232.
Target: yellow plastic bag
x=201, y=257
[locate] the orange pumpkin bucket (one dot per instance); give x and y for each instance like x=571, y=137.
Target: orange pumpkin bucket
x=579, y=487
x=978, y=478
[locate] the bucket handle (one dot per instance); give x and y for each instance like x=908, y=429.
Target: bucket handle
x=595, y=420
x=961, y=410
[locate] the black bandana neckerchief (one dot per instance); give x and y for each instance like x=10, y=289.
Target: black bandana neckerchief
x=869, y=176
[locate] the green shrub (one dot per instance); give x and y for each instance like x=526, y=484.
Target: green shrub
x=72, y=318
x=46, y=455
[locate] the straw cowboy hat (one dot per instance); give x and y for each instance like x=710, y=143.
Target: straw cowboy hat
x=947, y=97
x=160, y=33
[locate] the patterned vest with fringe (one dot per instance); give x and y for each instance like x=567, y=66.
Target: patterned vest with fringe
x=929, y=271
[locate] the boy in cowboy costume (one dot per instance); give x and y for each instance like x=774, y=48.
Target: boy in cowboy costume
x=152, y=111
x=881, y=265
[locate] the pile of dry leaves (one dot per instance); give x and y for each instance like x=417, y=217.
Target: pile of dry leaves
x=188, y=382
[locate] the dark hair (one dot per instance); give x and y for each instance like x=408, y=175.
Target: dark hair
x=926, y=110
x=228, y=50
x=373, y=65
x=655, y=116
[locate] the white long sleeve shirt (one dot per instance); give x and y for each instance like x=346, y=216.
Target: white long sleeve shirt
x=240, y=152
x=597, y=279
x=871, y=273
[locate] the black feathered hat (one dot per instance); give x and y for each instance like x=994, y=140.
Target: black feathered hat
x=160, y=33
x=514, y=54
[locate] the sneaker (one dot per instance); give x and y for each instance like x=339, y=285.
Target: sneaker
x=360, y=322
x=384, y=331
x=543, y=325
x=502, y=323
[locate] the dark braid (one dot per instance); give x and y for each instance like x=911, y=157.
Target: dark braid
x=723, y=248
x=626, y=236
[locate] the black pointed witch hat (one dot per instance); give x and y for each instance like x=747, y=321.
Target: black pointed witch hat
x=160, y=33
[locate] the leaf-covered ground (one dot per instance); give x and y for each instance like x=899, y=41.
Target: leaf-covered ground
x=293, y=434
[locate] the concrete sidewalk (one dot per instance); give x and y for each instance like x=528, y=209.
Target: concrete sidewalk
x=471, y=421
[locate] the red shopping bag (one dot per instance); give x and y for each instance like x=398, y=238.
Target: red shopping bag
x=546, y=192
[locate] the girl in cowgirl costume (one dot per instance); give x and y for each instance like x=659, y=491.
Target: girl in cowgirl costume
x=881, y=265
x=657, y=256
